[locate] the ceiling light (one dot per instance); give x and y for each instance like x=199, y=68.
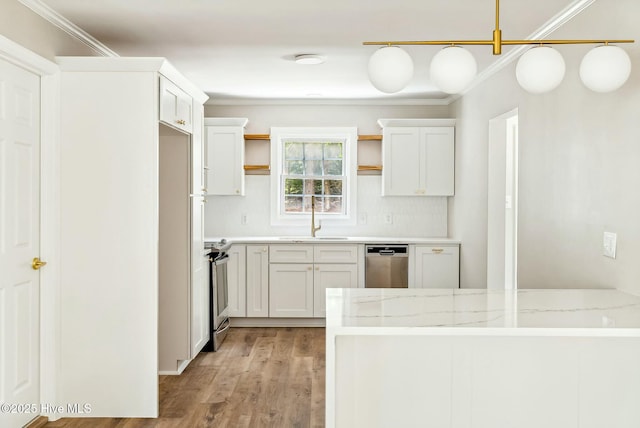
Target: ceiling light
x=605, y=68
x=540, y=70
x=600, y=71
x=309, y=59
x=390, y=69
x=452, y=69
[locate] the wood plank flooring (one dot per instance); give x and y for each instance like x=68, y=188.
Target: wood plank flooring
x=261, y=377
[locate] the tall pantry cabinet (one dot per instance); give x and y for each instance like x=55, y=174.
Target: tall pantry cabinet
x=133, y=298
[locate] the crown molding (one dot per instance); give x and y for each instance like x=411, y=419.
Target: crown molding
x=68, y=27
x=330, y=102
x=564, y=16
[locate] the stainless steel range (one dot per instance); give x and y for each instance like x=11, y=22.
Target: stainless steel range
x=219, y=294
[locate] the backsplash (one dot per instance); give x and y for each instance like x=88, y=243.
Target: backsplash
x=410, y=216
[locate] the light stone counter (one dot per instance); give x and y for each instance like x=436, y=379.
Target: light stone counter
x=334, y=239
x=482, y=358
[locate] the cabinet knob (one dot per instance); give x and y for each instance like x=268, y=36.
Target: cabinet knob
x=181, y=122
x=264, y=249
x=237, y=190
x=309, y=268
x=317, y=267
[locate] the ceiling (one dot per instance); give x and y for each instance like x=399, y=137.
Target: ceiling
x=242, y=50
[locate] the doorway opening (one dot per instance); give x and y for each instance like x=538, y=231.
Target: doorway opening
x=502, y=228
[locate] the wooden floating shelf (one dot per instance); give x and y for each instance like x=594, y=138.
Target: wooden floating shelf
x=257, y=136
x=369, y=167
x=369, y=137
x=257, y=167
x=268, y=137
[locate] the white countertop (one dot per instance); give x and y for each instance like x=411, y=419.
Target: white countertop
x=479, y=311
x=334, y=239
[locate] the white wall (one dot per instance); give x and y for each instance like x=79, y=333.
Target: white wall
x=421, y=217
x=579, y=168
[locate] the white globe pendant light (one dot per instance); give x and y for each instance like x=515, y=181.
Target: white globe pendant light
x=605, y=68
x=390, y=69
x=540, y=69
x=452, y=69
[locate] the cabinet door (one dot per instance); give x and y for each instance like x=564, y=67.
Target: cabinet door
x=176, y=106
x=257, y=281
x=225, y=160
x=291, y=290
x=236, y=279
x=436, y=266
x=401, y=161
x=437, y=150
x=331, y=276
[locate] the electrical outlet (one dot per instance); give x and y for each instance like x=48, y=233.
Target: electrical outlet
x=362, y=218
x=243, y=218
x=388, y=218
x=609, y=244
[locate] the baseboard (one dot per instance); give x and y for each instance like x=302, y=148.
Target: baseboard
x=38, y=422
x=277, y=322
x=183, y=365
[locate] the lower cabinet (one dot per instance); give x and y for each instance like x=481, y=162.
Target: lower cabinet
x=436, y=266
x=236, y=280
x=331, y=275
x=257, y=281
x=291, y=290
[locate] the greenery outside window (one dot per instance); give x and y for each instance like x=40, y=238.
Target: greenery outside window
x=310, y=162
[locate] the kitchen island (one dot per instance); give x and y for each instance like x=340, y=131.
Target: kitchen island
x=482, y=358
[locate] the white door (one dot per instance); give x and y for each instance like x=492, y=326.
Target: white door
x=19, y=244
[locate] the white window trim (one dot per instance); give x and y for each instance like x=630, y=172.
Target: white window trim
x=350, y=136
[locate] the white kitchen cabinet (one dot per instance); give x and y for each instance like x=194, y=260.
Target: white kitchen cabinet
x=300, y=274
x=418, y=160
x=200, y=265
x=291, y=290
x=125, y=181
x=257, y=295
x=236, y=280
x=331, y=275
x=224, y=138
x=176, y=106
x=435, y=266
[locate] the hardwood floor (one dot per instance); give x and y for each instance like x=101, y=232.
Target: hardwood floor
x=261, y=377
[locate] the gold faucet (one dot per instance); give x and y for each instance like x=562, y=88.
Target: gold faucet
x=314, y=229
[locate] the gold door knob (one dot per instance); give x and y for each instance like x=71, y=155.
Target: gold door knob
x=36, y=263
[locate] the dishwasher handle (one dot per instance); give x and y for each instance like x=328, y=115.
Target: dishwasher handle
x=387, y=250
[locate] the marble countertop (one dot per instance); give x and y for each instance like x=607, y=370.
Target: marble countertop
x=483, y=312
x=334, y=239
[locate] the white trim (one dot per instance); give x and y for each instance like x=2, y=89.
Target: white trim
x=278, y=322
x=49, y=206
x=217, y=101
x=67, y=26
x=383, y=123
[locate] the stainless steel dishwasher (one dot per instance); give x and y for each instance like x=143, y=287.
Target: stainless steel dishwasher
x=386, y=266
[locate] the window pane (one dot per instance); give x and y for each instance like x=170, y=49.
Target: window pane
x=293, y=186
x=293, y=204
x=333, y=167
x=313, y=167
x=295, y=167
x=317, y=187
x=333, y=187
x=313, y=151
x=333, y=151
x=333, y=204
x=293, y=151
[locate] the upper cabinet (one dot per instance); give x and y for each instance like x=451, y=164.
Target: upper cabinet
x=418, y=157
x=176, y=106
x=224, y=139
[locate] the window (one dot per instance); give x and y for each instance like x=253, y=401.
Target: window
x=313, y=167
x=310, y=162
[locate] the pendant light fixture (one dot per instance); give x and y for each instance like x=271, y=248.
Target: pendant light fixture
x=541, y=69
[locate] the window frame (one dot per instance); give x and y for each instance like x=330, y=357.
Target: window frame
x=280, y=135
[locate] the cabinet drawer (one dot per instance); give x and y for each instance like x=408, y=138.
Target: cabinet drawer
x=335, y=254
x=291, y=254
